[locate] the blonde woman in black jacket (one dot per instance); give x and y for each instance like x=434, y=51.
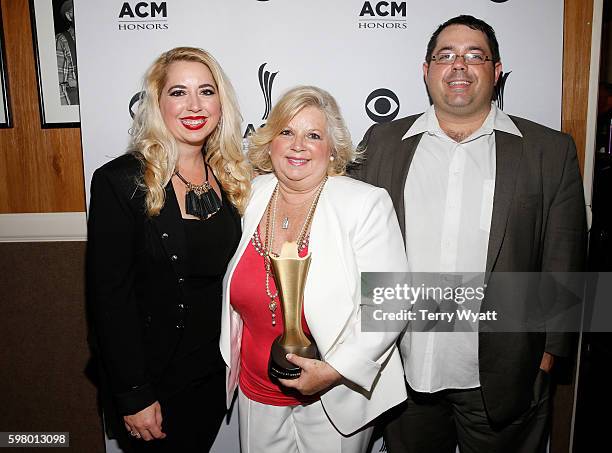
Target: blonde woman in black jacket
x=163, y=224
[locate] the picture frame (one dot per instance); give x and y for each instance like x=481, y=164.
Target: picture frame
x=55, y=58
x=5, y=104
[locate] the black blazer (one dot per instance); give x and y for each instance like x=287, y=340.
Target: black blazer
x=538, y=224
x=135, y=269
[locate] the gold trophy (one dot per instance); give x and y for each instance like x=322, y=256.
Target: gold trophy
x=290, y=272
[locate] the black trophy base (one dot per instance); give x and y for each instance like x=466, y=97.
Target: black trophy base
x=280, y=368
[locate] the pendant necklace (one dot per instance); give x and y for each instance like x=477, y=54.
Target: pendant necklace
x=285, y=224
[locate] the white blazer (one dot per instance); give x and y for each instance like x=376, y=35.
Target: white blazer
x=354, y=229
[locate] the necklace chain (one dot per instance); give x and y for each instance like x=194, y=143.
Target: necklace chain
x=296, y=207
x=265, y=249
x=199, y=189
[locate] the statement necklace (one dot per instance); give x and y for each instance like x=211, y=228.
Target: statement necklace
x=265, y=249
x=201, y=200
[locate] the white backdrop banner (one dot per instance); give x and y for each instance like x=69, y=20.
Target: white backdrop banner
x=368, y=54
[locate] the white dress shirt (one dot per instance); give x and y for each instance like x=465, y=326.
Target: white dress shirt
x=448, y=198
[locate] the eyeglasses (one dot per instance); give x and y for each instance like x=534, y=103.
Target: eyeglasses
x=468, y=58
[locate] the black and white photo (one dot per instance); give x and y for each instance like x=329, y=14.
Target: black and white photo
x=56, y=63
x=5, y=108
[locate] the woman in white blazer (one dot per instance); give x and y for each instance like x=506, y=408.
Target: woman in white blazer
x=348, y=227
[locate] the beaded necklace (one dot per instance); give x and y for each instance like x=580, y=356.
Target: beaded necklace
x=265, y=249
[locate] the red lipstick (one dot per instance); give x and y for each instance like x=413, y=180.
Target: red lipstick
x=193, y=123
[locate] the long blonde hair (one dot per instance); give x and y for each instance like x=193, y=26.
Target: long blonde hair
x=156, y=148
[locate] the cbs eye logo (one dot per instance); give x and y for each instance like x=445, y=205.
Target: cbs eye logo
x=382, y=105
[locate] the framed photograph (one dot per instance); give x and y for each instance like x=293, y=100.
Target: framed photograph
x=5, y=106
x=56, y=62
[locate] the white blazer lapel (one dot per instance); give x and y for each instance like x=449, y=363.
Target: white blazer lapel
x=230, y=326
x=327, y=305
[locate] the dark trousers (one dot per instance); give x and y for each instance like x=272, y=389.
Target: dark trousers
x=191, y=419
x=438, y=422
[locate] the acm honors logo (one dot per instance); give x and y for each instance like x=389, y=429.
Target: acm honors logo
x=138, y=16
x=383, y=15
x=266, y=81
x=498, y=94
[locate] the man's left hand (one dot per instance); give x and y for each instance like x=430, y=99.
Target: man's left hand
x=547, y=362
x=316, y=376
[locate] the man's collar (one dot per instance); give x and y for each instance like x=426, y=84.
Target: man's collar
x=420, y=125
x=496, y=120
x=504, y=123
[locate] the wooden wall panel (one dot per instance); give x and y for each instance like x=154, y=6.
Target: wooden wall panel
x=41, y=170
x=578, y=16
x=576, y=64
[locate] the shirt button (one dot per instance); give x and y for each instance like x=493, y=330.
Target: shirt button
x=164, y=235
x=174, y=257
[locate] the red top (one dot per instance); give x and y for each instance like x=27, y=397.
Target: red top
x=248, y=297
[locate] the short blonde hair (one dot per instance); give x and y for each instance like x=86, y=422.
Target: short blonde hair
x=156, y=147
x=292, y=102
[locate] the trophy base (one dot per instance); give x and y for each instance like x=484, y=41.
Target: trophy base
x=280, y=368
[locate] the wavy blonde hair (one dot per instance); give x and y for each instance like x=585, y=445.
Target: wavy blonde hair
x=285, y=109
x=156, y=147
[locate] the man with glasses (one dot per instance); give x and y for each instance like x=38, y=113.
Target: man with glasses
x=477, y=191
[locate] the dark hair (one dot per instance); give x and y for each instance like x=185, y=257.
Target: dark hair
x=474, y=24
